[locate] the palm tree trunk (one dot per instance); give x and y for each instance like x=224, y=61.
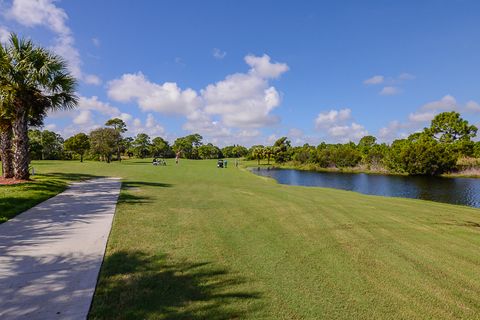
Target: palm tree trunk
x=21, y=158
x=6, y=151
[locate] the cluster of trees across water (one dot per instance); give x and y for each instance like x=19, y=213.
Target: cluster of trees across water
x=440, y=148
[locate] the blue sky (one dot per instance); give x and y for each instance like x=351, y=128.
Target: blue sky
x=251, y=71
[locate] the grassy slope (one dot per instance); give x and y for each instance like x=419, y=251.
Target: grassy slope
x=196, y=242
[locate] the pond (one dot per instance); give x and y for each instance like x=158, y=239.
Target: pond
x=464, y=191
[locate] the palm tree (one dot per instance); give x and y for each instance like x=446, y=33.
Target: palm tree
x=6, y=135
x=39, y=82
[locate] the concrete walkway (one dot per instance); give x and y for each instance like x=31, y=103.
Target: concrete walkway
x=50, y=255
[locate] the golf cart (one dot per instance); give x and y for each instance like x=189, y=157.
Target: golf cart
x=220, y=163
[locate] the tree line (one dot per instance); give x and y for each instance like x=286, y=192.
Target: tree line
x=109, y=144
x=433, y=151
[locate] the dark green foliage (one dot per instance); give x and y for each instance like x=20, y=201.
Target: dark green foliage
x=79, y=144
x=209, y=151
x=161, y=148
x=282, y=150
x=422, y=155
x=45, y=145
x=338, y=155
x=188, y=146
x=141, y=145
x=103, y=142
x=235, y=151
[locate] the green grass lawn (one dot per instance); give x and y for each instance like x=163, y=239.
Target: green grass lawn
x=196, y=242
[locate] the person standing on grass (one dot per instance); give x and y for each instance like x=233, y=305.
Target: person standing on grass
x=177, y=157
x=225, y=162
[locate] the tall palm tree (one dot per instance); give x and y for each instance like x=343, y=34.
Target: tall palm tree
x=39, y=82
x=6, y=135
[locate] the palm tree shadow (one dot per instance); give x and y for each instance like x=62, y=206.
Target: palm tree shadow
x=133, y=285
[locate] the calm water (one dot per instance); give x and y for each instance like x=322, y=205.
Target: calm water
x=465, y=191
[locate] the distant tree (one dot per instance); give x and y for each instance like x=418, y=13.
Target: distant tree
x=120, y=127
x=257, y=153
x=449, y=127
x=141, y=145
x=304, y=154
x=79, y=143
x=127, y=146
x=45, y=145
x=268, y=152
x=421, y=154
x=234, y=151
x=209, y=151
x=476, y=149
x=281, y=149
x=103, y=142
x=188, y=146
x=239, y=151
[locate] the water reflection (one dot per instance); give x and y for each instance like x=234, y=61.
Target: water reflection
x=465, y=191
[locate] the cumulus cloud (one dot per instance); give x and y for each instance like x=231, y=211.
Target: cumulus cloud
x=338, y=126
x=332, y=117
x=93, y=79
x=46, y=14
x=346, y=133
x=378, y=79
x=218, y=54
x=472, y=106
x=447, y=103
x=389, y=91
x=84, y=117
x=422, y=116
x=264, y=68
x=166, y=98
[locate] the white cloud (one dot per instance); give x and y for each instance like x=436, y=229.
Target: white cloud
x=335, y=124
x=4, y=34
x=93, y=79
x=165, y=98
x=378, y=79
x=422, y=116
x=447, y=103
x=45, y=13
x=472, y=106
x=332, y=117
x=352, y=132
x=389, y=91
x=218, y=54
x=262, y=67
x=150, y=127
x=242, y=100
x=83, y=118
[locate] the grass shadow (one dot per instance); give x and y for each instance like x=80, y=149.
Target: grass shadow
x=135, y=184
x=134, y=285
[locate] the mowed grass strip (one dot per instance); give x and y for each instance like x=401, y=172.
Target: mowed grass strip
x=196, y=242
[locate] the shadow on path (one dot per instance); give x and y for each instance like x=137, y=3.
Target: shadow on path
x=134, y=285
x=51, y=254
